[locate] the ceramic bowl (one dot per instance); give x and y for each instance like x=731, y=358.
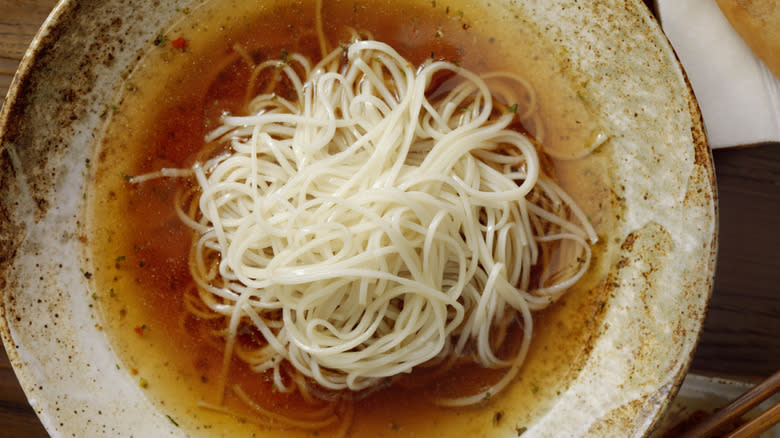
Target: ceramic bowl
x=635, y=329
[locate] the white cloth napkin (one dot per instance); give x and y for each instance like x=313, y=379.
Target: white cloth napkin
x=738, y=95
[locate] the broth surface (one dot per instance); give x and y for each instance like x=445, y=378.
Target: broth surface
x=139, y=247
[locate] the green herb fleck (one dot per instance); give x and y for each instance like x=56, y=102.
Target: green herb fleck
x=460, y=13
x=120, y=259
x=143, y=383
x=117, y=366
x=94, y=295
x=125, y=176
x=160, y=40
x=534, y=388
x=173, y=421
x=520, y=430
x=513, y=108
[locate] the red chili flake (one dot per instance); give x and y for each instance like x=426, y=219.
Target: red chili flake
x=140, y=329
x=179, y=43
x=134, y=371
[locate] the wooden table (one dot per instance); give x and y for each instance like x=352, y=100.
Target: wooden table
x=741, y=333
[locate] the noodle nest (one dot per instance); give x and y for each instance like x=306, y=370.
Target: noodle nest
x=370, y=217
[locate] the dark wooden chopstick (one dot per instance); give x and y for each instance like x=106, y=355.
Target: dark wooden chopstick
x=744, y=403
x=760, y=423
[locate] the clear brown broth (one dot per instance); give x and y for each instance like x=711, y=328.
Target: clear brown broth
x=140, y=248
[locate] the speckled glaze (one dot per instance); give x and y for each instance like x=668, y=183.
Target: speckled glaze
x=663, y=244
